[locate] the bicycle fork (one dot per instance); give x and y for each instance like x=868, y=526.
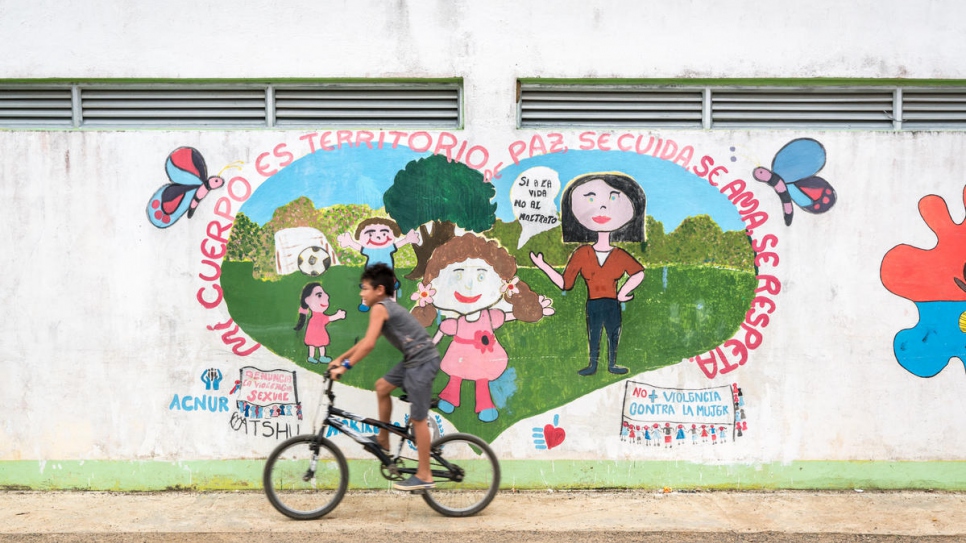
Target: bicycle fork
x=313, y=465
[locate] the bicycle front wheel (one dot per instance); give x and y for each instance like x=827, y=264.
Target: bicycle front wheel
x=305, y=477
x=466, y=473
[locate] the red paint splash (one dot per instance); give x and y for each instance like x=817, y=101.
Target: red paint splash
x=927, y=275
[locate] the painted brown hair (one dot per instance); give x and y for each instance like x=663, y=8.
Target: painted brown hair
x=378, y=220
x=525, y=302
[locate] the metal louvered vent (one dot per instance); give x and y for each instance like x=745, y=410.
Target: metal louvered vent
x=429, y=106
x=230, y=105
x=35, y=107
x=191, y=106
x=550, y=106
x=933, y=109
x=823, y=108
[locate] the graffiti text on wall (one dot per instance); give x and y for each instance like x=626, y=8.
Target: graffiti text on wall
x=211, y=403
x=666, y=417
x=268, y=394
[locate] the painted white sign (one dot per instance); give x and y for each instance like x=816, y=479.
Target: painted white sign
x=532, y=197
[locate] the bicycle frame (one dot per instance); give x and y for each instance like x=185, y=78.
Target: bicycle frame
x=370, y=444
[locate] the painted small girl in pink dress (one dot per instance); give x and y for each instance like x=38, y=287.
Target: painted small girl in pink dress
x=316, y=300
x=469, y=277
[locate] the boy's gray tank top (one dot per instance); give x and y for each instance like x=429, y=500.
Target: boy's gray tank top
x=404, y=332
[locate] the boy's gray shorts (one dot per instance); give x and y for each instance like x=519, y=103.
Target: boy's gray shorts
x=417, y=381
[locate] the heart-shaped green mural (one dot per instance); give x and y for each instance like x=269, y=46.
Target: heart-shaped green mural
x=520, y=344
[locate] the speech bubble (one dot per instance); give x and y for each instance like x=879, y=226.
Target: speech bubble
x=532, y=197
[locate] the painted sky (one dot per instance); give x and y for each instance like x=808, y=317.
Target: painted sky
x=359, y=175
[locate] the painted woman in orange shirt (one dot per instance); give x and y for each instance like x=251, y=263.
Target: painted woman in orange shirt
x=601, y=208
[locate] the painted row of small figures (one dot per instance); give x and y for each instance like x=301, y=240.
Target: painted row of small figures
x=667, y=435
x=252, y=411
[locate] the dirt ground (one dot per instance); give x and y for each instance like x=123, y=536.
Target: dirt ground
x=561, y=517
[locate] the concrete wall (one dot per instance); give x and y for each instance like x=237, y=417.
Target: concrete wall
x=111, y=323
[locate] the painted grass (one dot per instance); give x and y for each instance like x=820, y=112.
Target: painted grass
x=677, y=312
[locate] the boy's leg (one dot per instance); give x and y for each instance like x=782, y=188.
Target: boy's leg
x=384, y=399
x=421, y=429
x=419, y=386
x=384, y=387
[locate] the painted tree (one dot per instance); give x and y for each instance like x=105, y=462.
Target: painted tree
x=243, y=241
x=436, y=195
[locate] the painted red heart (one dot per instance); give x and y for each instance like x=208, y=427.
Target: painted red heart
x=553, y=435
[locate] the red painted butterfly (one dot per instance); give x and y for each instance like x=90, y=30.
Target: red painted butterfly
x=189, y=185
x=792, y=175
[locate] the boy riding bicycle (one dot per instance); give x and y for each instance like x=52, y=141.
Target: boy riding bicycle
x=415, y=373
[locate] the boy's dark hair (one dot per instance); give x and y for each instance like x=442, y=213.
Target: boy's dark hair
x=380, y=274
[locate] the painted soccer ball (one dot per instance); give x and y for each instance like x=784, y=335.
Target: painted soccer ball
x=313, y=261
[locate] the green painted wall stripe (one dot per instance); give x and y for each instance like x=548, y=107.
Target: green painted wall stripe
x=517, y=474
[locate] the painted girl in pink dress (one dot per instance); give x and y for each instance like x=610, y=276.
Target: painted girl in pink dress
x=316, y=300
x=473, y=283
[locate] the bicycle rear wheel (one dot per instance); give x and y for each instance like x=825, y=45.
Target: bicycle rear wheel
x=471, y=479
x=305, y=477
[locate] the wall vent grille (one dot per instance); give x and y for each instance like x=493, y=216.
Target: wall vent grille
x=35, y=106
x=560, y=105
x=868, y=109
x=231, y=106
x=933, y=109
x=614, y=106
x=186, y=106
x=417, y=106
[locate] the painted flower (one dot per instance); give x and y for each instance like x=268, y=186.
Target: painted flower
x=484, y=340
x=510, y=287
x=424, y=295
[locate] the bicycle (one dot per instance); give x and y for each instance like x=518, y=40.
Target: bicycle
x=306, y=476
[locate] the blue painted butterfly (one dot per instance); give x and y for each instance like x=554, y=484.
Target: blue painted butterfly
x=792, y=175
x=189, y=184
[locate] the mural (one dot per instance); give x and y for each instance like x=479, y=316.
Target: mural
x=312, y=304
x=189, y=184
x=933, y=279
x=792, y=175
x=655, y=257
x=598, y=208
x=378, y=239
x=668, y=417
x=549, y=436
x=468, y=277
x=268, y=403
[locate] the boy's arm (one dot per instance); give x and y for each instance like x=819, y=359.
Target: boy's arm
x=378, y=315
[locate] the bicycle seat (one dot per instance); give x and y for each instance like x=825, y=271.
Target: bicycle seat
x=433, y=402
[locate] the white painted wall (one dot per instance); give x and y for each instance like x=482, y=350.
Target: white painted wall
x=99, y=321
